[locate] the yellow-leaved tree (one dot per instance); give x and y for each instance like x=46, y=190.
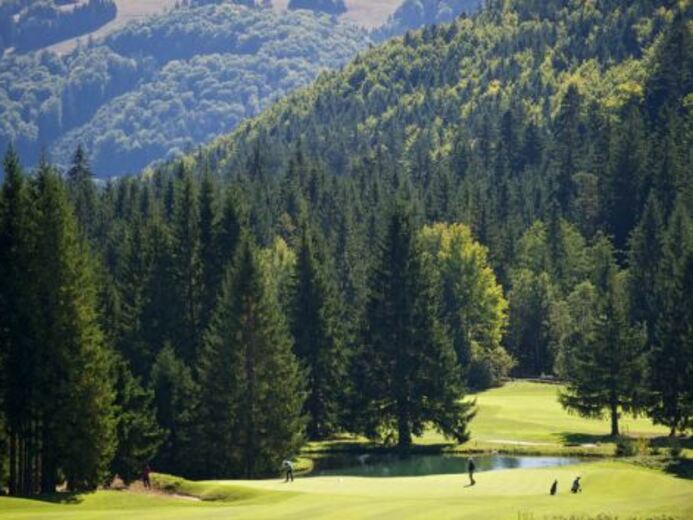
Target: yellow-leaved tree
x=472, y=303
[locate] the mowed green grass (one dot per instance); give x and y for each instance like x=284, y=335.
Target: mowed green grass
x=523, y=412
x=612, y=488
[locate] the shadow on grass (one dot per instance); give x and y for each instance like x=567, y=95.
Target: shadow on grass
x=682, y=468
x=577, y=439
x=374, y=447
x=58, y=498
x=666, y=442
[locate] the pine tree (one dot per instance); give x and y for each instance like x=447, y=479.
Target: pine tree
x=75, y=383
x=251, y=383
x=159, y=318
x=318, y=337
x=566, y=148
x=607, y=372
x=187, y=268
x=82, y=191
x=17, y=326
x=671, y=359
x=133, y=281
x=411, y=376
x=176, y=397
x=644, y=261
x=138, y=434
x=623, y=178
x=208, y=233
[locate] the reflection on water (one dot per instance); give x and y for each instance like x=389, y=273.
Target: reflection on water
x=390, y=465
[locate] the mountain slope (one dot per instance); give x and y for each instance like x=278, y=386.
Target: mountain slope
x=458, y=75
x=527, y=110
x=163, y=85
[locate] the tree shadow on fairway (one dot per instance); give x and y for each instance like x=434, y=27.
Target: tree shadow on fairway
x=682, y=468
x=58, y=498
x=666, y=442
x=350, y=446
x=579, y=439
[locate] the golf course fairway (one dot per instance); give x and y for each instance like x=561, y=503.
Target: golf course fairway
x=517, y=412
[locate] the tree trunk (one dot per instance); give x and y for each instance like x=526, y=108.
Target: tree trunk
x=614, y=420
x=49, y=468
x=13, y=464
x=403, y=427
x=48, y=480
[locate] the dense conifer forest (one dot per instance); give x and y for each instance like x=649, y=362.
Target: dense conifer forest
x=506, y=195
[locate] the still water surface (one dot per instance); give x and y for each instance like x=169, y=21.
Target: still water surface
x=390, y=465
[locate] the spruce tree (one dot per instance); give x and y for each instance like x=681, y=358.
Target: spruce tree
x=77, y=410
x=210, y=265
x=318, y=337
x=624, y=174
x=644, y=261
x=187, y=267
x=176, y=398
x=18, y=265
x=251, y=384
x=410, y=373
x=138, y=434
x=607, y=371
x=82, y=191
x=671, y=359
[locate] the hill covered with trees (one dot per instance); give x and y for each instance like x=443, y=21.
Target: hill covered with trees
x=27, y=25
x=507, y=194
x=413, y=14
x=159, y=87
x=333, y=7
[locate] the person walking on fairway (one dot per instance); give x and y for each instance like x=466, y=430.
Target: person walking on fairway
x=288, y=466
x=576, y=488
x=554, y=487
x=145, y=477
x=470, y=468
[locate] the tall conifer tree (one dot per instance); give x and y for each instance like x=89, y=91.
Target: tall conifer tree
x=671, y=359
x=251, y=382
x=607, y=372
x=410, y=373
x=318, y=337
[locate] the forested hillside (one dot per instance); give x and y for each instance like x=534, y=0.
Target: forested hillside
x=27, y=25
x=161, y=86
x=413, y=14
x=509, y=194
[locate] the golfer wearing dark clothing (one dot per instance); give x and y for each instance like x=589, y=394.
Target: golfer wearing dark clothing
x=145, y=477
x=470, y=468
x=288, y=466
x=576, y=488
x=554, y=487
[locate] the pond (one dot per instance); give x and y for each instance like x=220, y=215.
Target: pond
x=392, y=465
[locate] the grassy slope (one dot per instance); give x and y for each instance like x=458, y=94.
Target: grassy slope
x=366, y=13
x=525, y=411
x=610, y=488
x=519, y=411
x=128, y=10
